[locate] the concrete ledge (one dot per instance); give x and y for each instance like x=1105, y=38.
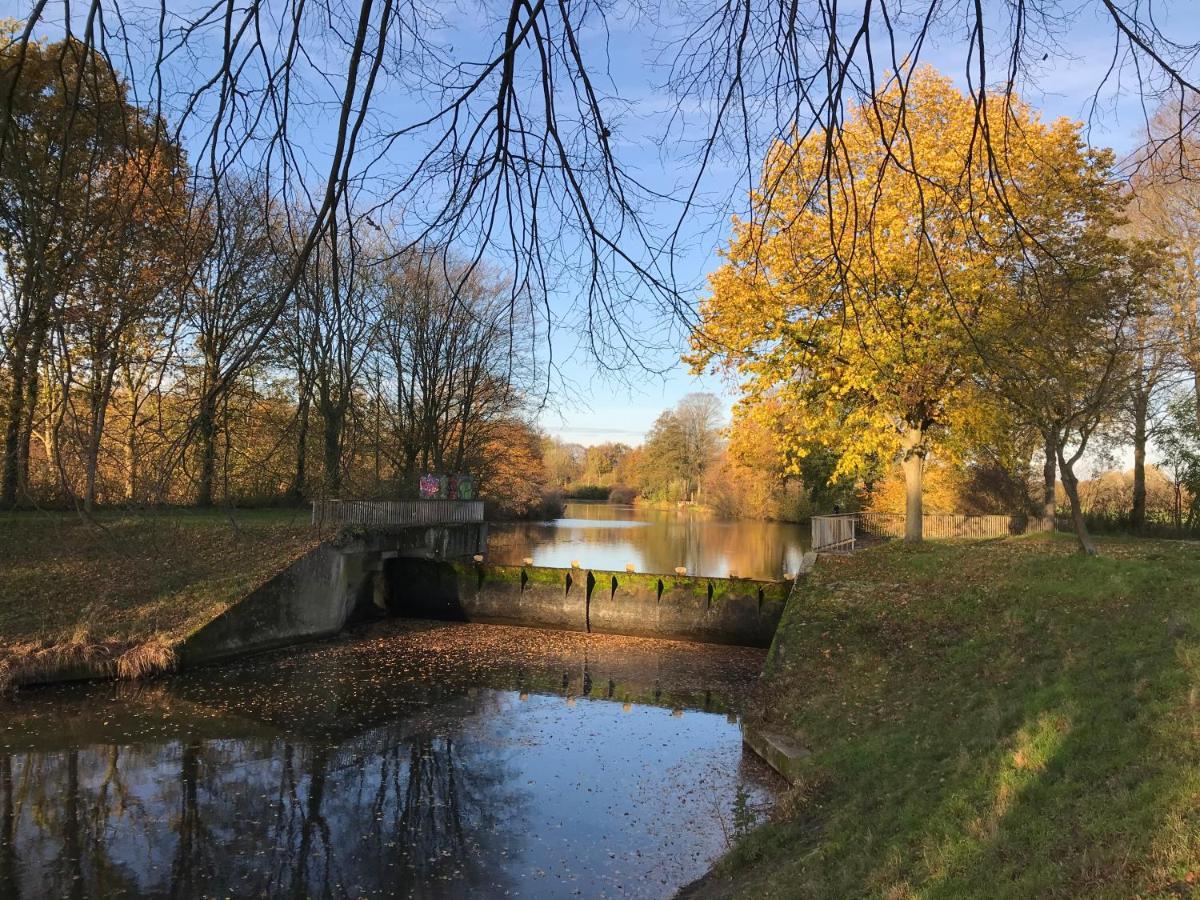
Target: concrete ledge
x=784, y=755
x=710, y=610
x=310, y=599
x=364, y=573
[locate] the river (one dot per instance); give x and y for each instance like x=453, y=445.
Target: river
x=410, y=758
x=610, y=536
x=403, y=759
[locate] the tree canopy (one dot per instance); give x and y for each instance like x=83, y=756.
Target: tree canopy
x=857, y=296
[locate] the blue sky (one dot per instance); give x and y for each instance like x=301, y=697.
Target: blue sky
x=608, y=410
x=586, y=405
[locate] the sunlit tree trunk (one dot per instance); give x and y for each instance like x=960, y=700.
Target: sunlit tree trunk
x=131, y=465
x=1049, y=480
x=913, y=463
x=1196, y=391
x=1071, y=486
x=1141, y=408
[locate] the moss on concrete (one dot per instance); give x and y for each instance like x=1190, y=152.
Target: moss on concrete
x=696, y=584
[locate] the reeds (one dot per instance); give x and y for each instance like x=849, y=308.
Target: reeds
x=78, y=656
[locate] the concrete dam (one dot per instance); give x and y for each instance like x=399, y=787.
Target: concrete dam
x=679, y=607
x=438, y=572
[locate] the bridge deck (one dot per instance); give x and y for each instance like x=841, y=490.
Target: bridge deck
x=397, y=512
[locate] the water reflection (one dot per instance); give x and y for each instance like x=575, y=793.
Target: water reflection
x=609, y=536
x=416, y=759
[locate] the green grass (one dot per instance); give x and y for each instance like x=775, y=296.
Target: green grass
x=1001, y=719
x=123, y=590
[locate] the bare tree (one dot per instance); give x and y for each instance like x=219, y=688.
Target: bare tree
x=515, y=153
x=457, y=364
x=232, y=293
x=335, y=315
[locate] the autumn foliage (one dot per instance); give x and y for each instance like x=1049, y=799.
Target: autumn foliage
x=855, y=303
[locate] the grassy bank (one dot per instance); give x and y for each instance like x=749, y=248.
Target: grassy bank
x=121, y=591
x=991, y=719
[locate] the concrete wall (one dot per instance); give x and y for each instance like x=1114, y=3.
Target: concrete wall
x=368, y=573
x=711, y=610
x=339, y=582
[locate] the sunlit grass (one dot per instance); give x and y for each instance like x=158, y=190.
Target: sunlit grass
x=991, y=719
x=118, y=593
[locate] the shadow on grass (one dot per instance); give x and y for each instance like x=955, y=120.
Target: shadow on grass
x=1000, y=720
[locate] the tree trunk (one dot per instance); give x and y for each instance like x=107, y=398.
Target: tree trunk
x=12, y=435
x=333, y=452
x=95, y=439
x=1049, y=479
x=913, y=461
x=89, y=484
x=1140, y=414
x=297, y=490
x=32, y=386
x=131, y=472
x=1071, y=486
x=1196, y=392
x=206, y=426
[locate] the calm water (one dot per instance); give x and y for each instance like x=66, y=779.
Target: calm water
x=408, y=759
x=609, y=536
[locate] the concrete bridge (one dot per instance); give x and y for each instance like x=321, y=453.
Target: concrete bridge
x=339, y=582
x=436, y=568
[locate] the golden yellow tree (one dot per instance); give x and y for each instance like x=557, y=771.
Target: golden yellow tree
x=854, y=294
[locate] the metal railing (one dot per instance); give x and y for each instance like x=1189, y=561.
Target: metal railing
x=397, y=512
x=833, y=532
x=841, y=532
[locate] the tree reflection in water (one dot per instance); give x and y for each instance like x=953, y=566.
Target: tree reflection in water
x=362, y=769
x=238, y=817
x=608, y=536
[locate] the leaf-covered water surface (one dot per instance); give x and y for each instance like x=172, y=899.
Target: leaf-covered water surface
x=407, y=759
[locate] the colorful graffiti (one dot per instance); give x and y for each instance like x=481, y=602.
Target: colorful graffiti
x=453, y=487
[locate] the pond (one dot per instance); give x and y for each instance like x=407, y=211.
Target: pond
x=610, y=536
x=405, y=759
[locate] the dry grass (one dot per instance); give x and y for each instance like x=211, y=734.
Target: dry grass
x=115, y=596
x=29, y=662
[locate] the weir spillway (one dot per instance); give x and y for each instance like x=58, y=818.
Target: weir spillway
x=738, y=611
x=429, y=572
